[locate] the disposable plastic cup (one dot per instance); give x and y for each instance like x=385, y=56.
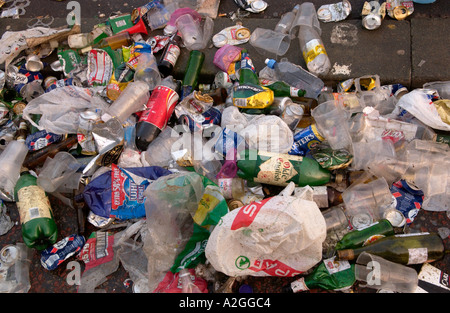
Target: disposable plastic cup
x=380, y=273
x=11, y=160
x=335, y=218
x=55, y=172
x=132, y=99
x=267, y=40
x=332, y=123
x=190, y=31
x=367, y=198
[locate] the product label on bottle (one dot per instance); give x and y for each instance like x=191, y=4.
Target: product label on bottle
x=278, y=170
x=33, y=203
x=299, y=285
x=313, y=49
x=160, y=107
x=334, y=266
x=173, y=52
x=417, y=256
x=372, y=239
x=225, y=185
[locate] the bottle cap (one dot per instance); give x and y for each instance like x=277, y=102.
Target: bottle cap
x=270, y=63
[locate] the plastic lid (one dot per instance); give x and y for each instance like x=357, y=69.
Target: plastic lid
x=270, y=63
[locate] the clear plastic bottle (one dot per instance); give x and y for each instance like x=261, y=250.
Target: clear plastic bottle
x=285, y=23
x=296, y=76
x=313, y=51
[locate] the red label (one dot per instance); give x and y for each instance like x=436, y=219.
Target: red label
x=274, y=268
x=246, y=215
x=117, y=190
x=160, y=107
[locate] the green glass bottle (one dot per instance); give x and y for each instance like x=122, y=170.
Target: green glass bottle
x=247, y=73
x=39, y=229
x=329, y=275
x=403, y=249
x=362, y=237
x=281, y=89
x=280, y=169
x=193, y=68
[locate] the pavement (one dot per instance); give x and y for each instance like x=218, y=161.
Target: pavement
x=411, y=52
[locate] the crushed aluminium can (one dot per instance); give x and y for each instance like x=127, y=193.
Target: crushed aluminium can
x=334, y=12
x=409, y=199
x=233, y=35
x=54, y=255
x=253, y=6
x=305, y=139
x=202, y=121
x=373, y=13
x=42, y=139
x=399, y=9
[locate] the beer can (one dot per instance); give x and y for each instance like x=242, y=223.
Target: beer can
x=399, y=9
x=42, y=139
x=72, y=81
x=202, y=121
x=48, y=81
x=9, y=255
x=334, y=12
x=373, y=13
x=234, y=204
x=305, y=139
x=56, y=254
x=33, y=63
x=222, y=80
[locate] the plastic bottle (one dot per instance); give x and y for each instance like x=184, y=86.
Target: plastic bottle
x=232, y=188
x=296, y=76
x=39, y=229
x=160, y=107
x=359, y=238
x=147, y=70
x=193, y=68
x=311, y=45
x=170, y=56
x=285, y=23
x=329, y=275
x=403, y=249
x=11, y=160
x=280, y=169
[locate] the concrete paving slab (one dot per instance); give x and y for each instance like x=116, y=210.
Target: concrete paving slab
x=430, y=52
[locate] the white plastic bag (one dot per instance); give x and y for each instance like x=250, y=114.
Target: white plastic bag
x=419, y=104
x=279, y=236
x=60, y=108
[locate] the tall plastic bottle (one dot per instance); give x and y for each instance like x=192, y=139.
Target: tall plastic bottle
x=311, y=44
x=284, y=25
x=160, y=107
x=296, y=76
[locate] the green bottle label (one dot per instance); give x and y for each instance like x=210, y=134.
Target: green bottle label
x=277, y=170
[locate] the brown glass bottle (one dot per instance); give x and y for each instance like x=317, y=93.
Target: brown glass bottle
x=38, y=158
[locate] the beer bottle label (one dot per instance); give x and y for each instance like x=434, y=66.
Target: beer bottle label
x=33, y=203
x=173, y=52
x=278, y=170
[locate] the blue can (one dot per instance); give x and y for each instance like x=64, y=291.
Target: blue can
x=54, y=255
x=41, y=139
x=64, y=82
x=305, y=139
x=210, y=117
x=24, y=77
x=409, y=199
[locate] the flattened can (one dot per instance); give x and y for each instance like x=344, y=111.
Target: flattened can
x=373, y=13
x=84, y=133
x=54, y=255
x=198, y=122
x=305, y=139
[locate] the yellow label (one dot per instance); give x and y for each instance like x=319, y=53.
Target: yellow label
x=313, y=49
x=276, y=171
x=33, y=203
x=211, y=198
